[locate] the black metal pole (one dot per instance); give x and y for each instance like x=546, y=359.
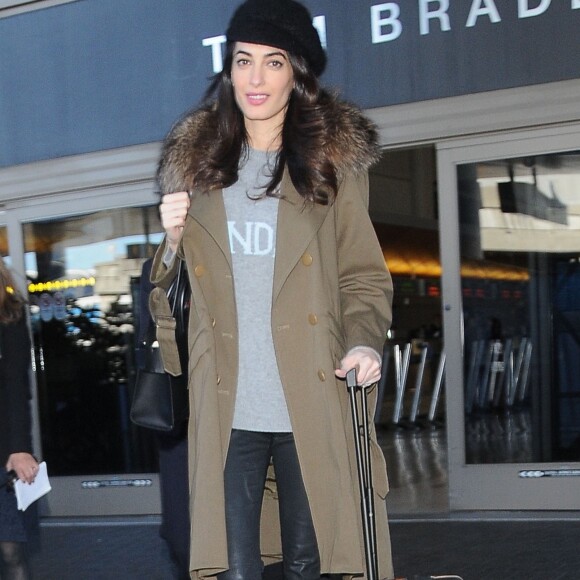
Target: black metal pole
x=363, y=477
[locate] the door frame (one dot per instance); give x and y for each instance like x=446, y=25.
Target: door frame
x=489, y=486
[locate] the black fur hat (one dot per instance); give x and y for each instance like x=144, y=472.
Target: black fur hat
x=284, y=24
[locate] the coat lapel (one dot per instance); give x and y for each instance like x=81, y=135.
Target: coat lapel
x=297, y=225
x=209, y=211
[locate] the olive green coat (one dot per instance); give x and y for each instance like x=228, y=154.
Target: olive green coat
x=331, y=292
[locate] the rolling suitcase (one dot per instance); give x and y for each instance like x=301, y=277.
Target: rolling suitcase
x=360, y=424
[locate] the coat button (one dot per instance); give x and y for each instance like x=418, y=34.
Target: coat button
x=313, y=319
x=321, y=375
x=307, y=259
x=199, y=271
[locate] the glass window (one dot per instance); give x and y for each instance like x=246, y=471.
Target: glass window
x=83, y=281
x=520, y=275
x=4, y=243
x=403, y=208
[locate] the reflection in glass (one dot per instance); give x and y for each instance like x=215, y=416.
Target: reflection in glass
x=403, y=206
x=3, y=242
x=83, y=274
x=4, y=251
x=520, y=275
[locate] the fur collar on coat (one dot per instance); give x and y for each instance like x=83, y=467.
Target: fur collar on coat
x=349, y=142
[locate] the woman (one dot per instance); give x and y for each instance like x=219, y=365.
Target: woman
x=172, y=449
x=15, y=422
x=289, y=292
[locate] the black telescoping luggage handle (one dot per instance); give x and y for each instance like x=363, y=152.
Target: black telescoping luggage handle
x=363, y=462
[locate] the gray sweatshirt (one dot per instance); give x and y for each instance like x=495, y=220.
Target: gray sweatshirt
x=260, y=402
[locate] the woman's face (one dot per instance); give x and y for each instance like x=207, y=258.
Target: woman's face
x=263, y=80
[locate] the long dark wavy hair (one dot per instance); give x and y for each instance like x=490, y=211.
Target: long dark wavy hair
x=303, y=135
x=11, y=302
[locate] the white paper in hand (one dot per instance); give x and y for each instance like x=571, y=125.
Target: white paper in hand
x=27, y=493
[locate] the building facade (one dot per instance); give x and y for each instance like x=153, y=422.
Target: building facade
x=476, y=201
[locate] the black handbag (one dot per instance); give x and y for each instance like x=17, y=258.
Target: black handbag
x=160, y=400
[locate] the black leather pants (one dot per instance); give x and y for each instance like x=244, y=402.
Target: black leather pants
x=247, y=463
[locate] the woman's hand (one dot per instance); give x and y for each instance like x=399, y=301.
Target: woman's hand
x=173, y=210
x=367, y=363
x=25, y=466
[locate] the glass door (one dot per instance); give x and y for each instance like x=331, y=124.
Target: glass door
x=515, y=316
x=83, y=274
